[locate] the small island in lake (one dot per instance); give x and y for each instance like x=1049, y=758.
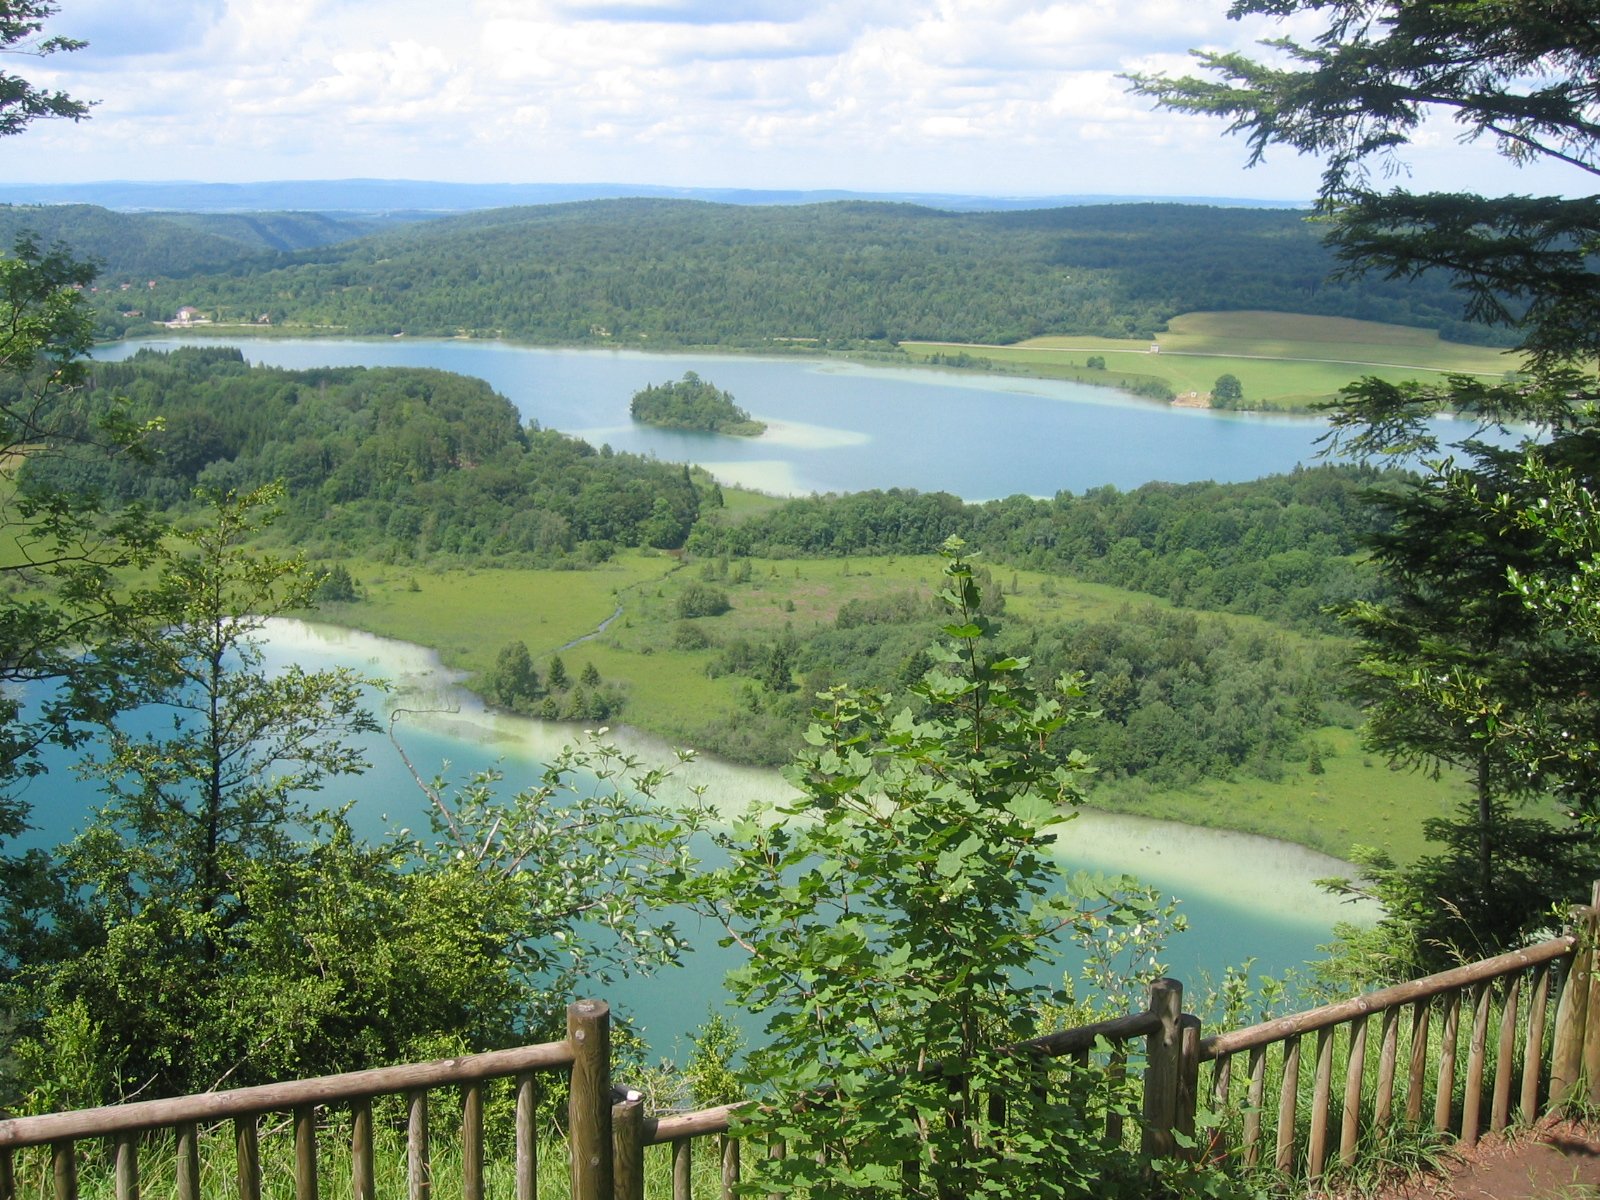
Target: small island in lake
x=693, y=403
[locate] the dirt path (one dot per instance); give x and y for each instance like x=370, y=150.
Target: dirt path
x=1559, y=1161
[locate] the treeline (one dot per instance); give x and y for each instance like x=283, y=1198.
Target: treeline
x=1184, y=696
x=1284, y=547
x=133, y=248
x=395, y=463
x=663, y=272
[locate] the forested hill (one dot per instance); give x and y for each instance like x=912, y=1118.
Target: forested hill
x=134, y=248
x=395, y=463
x=662, y=272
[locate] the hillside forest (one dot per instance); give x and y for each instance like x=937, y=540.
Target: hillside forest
x=660, y=273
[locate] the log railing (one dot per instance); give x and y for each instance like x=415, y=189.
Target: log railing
x=1361, y=1083
x=1160, y=1026
x=584, y=1055
x=1474, y=1048
x=1333, y=1081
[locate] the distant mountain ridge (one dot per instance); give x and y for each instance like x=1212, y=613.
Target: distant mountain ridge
x=400, y=196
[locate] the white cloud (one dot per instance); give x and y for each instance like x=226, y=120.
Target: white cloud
x=1020, y=96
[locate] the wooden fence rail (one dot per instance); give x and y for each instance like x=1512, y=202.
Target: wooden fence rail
x=1351, y=1092
x=584, y=1055
x=1462, y=1050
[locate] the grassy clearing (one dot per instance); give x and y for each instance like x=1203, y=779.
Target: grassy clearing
x=1282, y=360
x=1356, y=801
x=469, y=615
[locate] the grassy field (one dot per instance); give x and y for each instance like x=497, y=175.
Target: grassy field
x=1356, y=801
x=469, y=615
x=1282, y=360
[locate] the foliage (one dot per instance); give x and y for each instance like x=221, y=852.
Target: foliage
x=846, y=275
x=61, y=539
x=335, y=586
x=700, y=600
x=133, y=248
x=709, y=1073
x=1282, y=547
x=896, y=918
x=1438, y=913
x=211, y=926
x=206, y=786
x=1458, y=655
x=514, y=683
x=1226, y=392
x=21, y=103
x=692, y=403
x=399, y=463
x=561, y=881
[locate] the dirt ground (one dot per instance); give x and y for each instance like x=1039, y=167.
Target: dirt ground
x=1559, y=1161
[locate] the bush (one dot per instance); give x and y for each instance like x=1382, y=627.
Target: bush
x=702, y=600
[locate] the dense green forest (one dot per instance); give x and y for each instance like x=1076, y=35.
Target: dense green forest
x=844, y=274
x=395, y=463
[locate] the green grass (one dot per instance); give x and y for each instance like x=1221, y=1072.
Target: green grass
x=218, y=1171
x=468, y=615
x=1357, y=800
x=1282, y=360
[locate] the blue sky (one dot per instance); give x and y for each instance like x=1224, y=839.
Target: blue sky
x=1014, y=97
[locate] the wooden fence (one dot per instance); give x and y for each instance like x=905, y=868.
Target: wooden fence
x=1508, y=1038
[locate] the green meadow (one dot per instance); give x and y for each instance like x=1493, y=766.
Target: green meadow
x=468, y=615
x=1282, y=360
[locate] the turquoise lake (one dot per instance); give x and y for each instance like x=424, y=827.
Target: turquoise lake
x=837, y=426
x=1244, y=897
x=834, y=427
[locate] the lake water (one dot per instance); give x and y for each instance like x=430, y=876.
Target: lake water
x=1244, y=897
x=837, y=426
x=832, y=427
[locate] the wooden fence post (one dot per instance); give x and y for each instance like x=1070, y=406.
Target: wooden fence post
x=589, y=1107
x=1188, y=1106
x=64, y=1167
x=1591, y=1028
x=1566, y=1056
x=527, y=1137
x=627, y=1141
x=1163, y=1070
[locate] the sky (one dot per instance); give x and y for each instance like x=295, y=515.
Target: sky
x=971, y=97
